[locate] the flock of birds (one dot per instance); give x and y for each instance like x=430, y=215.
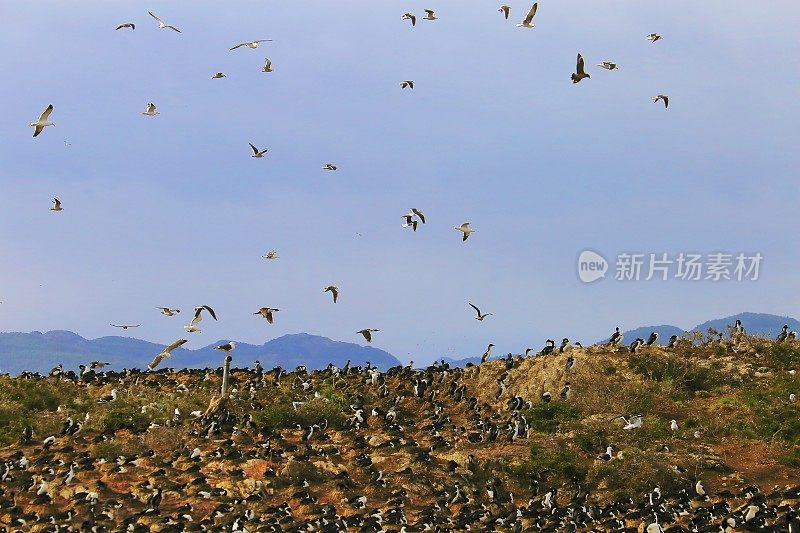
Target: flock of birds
x=412, y=452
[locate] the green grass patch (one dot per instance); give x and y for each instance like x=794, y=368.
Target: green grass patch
x=549, y=417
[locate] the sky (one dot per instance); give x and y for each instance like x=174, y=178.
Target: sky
x=172, y=210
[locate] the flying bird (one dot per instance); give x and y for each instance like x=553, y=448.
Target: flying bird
x=419, y=214
x=430, y=15
x=662, y=97
x=409, y=222
x=218, y=75
x=367, y=333
x=528, y=21
x=198, y=316
x=608, y=65
x=653, y=37
x=166, y=311
x=329, y=166
x=407, y=84
x=125, y=326
x=334, y=290
x=266, y=312
x=56, y=205
x=505, y=10
x=267, y=65
x=579, y=73
x=411, y=17
x=151, y=110
x=165, y=353
x=272, y=254
x=465, y=229
x=480, y=316
x=256, y=152
x=162, y=24
x=130, y=25
x=42, y=123
x=251, y=44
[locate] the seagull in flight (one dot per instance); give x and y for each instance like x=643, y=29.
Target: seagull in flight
x=218, y=75
x=251, y=44
x=334, y=290
x=165, y=353
x=367, y=333
x=329, y=166
x=267, y=65
x=411, y=17
x=505, y=10
x=42, y=123
x=266, y=312
x=130, y=25
x=162, y=24
x=272, y=254
x=528, y=22
x=664, y=98
x=419, y=214
x=166, y=311
x=409, y=222
x=653, y=37
x=126, y=326
x=633, y=422
x=198, y=316
x=256, y=152
x=480, y=316
x=56, y=205
x=579, y=73
x=465, y=229
x=151, y=110
x=608, y=65
x=407, y=84
x=430, y=15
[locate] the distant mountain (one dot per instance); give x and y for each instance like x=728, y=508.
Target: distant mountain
x=39, y=352
x=754, y=323
x=462, y=362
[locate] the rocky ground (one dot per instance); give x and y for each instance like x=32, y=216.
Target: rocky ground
x=440, y=448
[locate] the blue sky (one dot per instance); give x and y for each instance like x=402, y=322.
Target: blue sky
x=172, y=210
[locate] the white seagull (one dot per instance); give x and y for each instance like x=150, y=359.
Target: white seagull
x=198, y=316
x=166, y=311
x=165, y=353
x=251, y=44
x=633, y=422
x=151, y=110
x=227, y=348
x=528, y=22
x=162, y=24
x=272, y=254
x=42, y=123
x=256, y=152
x=465, y=229
x=407, y=84
x=478, y=311
x=267, y=65
x=56, y=205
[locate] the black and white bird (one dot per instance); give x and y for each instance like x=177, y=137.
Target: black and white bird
x=664, y=98
x=130, y=25
x=784, y=334
x=166, y=353
x=256, y=152
x=329, y=166
x=607, y=456
x=616, y=338
x=272, y=254
x=334, y=290
x=527, y=22
x=43, y=121
x=251, y=44
x=192, y=327
x=411, y=17
x=480, y=316
x=367, y=333
x=112, y=397
x=430, y=15
x=267, y=312
x=162, y=25
x=487, y=354
x=228, y=347
x=653, y=37
x=635, y=421
x=125, y=326
x=151, y=110
x=652, y=338
x=56, y=205
x=635, y=345
x=580, y=72
x=466, y=230
x=673, y=342
x=409, y=222
x=218, y=76
x=608, y=65
x=566, y=391
x=407, y=84
x=267, y=65
x=505, y=10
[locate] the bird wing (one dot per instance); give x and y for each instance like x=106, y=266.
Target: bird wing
x=429, y=11
x=335, y=294
x=116, y=326
x=37, y=130
x=506, y=10
x=419, y=214
x=173, y=28
x=267, y=63
x=255, y=150
x=239, y=46
x=531, y=13
x=262, y=40
x=175, y=344
x=580, y=65
x=56, y=202
x=155, y=17
x=413, y=20
x=666, y=101
x=46, y=113
x=211, y=311
x=151, y=108
x=476, y=309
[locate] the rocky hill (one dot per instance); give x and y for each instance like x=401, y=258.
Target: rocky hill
x=448, y=449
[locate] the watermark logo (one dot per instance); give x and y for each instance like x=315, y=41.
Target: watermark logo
x=591, y=266
x=632, y=266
